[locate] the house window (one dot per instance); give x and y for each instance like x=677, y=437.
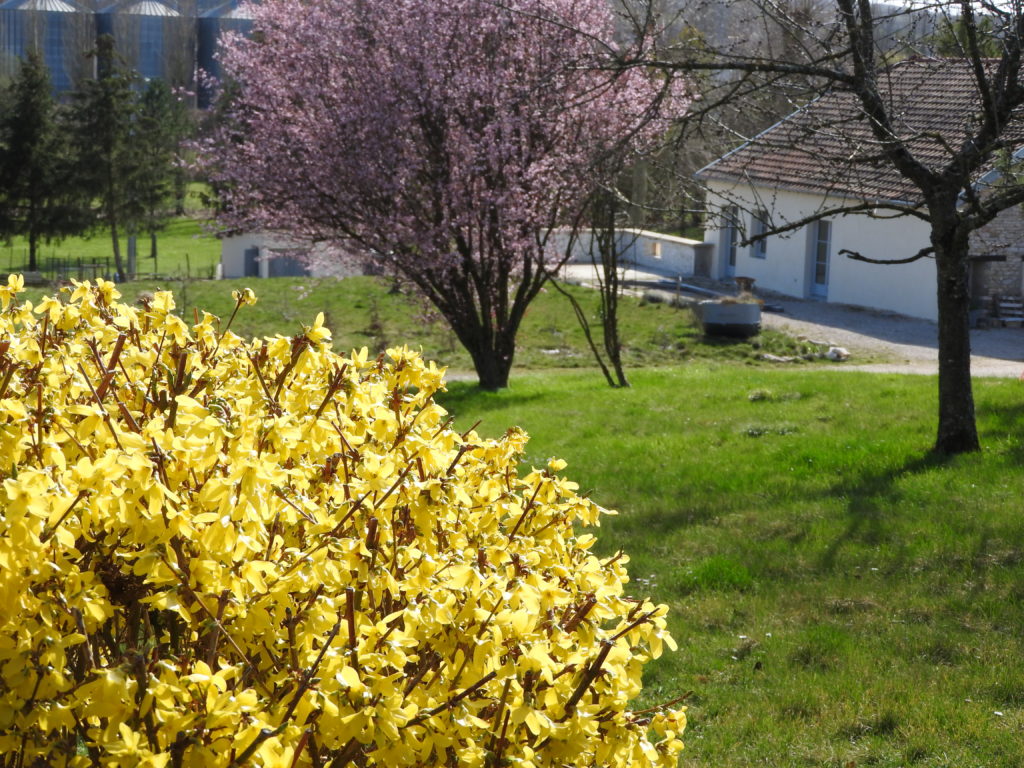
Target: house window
x=758, y=226
x=654, y=249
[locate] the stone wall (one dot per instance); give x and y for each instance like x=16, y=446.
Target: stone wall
x=1004, y=236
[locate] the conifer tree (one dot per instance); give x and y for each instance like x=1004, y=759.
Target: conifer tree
x=36, y=200
x=108, y=163
x=162, y=123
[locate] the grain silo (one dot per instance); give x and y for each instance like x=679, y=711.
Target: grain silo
x=157, y=38
x=232, y=16
x=168, y=39
x=61, y=30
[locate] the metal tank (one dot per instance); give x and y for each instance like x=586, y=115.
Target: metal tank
x=62, y=30
x=157, y=39
x=225, y=17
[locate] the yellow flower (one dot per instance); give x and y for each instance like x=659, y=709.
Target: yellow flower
x=15, y=285
x=246, y=296
x=199, y=559
x=316, y=333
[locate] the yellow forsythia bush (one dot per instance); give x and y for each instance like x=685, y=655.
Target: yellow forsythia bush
x=223, y=553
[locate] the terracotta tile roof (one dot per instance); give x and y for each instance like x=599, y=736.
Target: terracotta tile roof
x=827, y=146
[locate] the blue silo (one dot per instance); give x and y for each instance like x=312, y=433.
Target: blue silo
x=168, y=39
x=157, y=39
x=227, y=17
x=61, y=30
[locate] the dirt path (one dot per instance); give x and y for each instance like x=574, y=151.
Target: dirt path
x=906, y=345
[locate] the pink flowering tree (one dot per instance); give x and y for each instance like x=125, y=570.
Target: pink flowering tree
x=447, y=138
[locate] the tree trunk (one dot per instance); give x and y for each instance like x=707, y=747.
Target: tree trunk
x=34, y=230
x=957, y=431
x=581, y=317
x=33, y=247
x=610, y=300
x=118, y=266
x=492, y=368
x=494, y=363
x=492, y=358
x=487, y=334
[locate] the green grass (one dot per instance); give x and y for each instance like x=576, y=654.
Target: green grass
x=184, y=248
x=840, y=598
x=365, y=311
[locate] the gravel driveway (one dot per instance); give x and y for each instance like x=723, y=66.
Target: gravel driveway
x=908, y=345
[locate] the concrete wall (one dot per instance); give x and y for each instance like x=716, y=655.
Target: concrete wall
x=654, y=251
x=788, y=258
x=236, y=254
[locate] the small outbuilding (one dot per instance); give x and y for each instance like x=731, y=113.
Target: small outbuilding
x=268, y=254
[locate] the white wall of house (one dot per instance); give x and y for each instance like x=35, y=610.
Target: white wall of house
x=644, y=249
x=787, y=265
x=261, y=254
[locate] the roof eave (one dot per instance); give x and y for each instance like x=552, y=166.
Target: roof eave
x=808, y=190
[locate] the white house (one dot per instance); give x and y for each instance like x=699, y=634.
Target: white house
x=823, y=158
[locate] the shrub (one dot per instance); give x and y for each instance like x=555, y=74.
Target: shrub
x=223, y=553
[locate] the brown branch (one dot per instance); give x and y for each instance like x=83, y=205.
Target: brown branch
x=661, y=707
x=108, y=370
x=841, y=210
x=99, y=404
x=858, y=257
x=456, y=698
x=589, y=676
x=220, y=626
x=49, y=531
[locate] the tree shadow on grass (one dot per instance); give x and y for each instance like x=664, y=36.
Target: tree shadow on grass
x=466, y=397
x=866, y=493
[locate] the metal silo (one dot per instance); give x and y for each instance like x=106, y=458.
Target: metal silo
x=61, y=30
x=156, y=38
x=226, y=17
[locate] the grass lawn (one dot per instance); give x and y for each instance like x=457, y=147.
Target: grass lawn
x=364, y=311
x=840, y=599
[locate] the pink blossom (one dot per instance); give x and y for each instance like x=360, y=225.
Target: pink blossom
x=445, y=137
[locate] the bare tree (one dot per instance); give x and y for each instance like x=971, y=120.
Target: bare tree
x=598, y=236
x=854, y=73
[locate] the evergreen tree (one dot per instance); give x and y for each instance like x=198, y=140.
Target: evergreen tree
x=162, y=123
x=954, y=37
x=36, y=199
x=103, y=116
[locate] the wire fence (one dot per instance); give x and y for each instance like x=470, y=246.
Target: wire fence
x=51, y=270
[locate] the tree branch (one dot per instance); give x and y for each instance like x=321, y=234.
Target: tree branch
x=842, y=210
x=916, y=257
